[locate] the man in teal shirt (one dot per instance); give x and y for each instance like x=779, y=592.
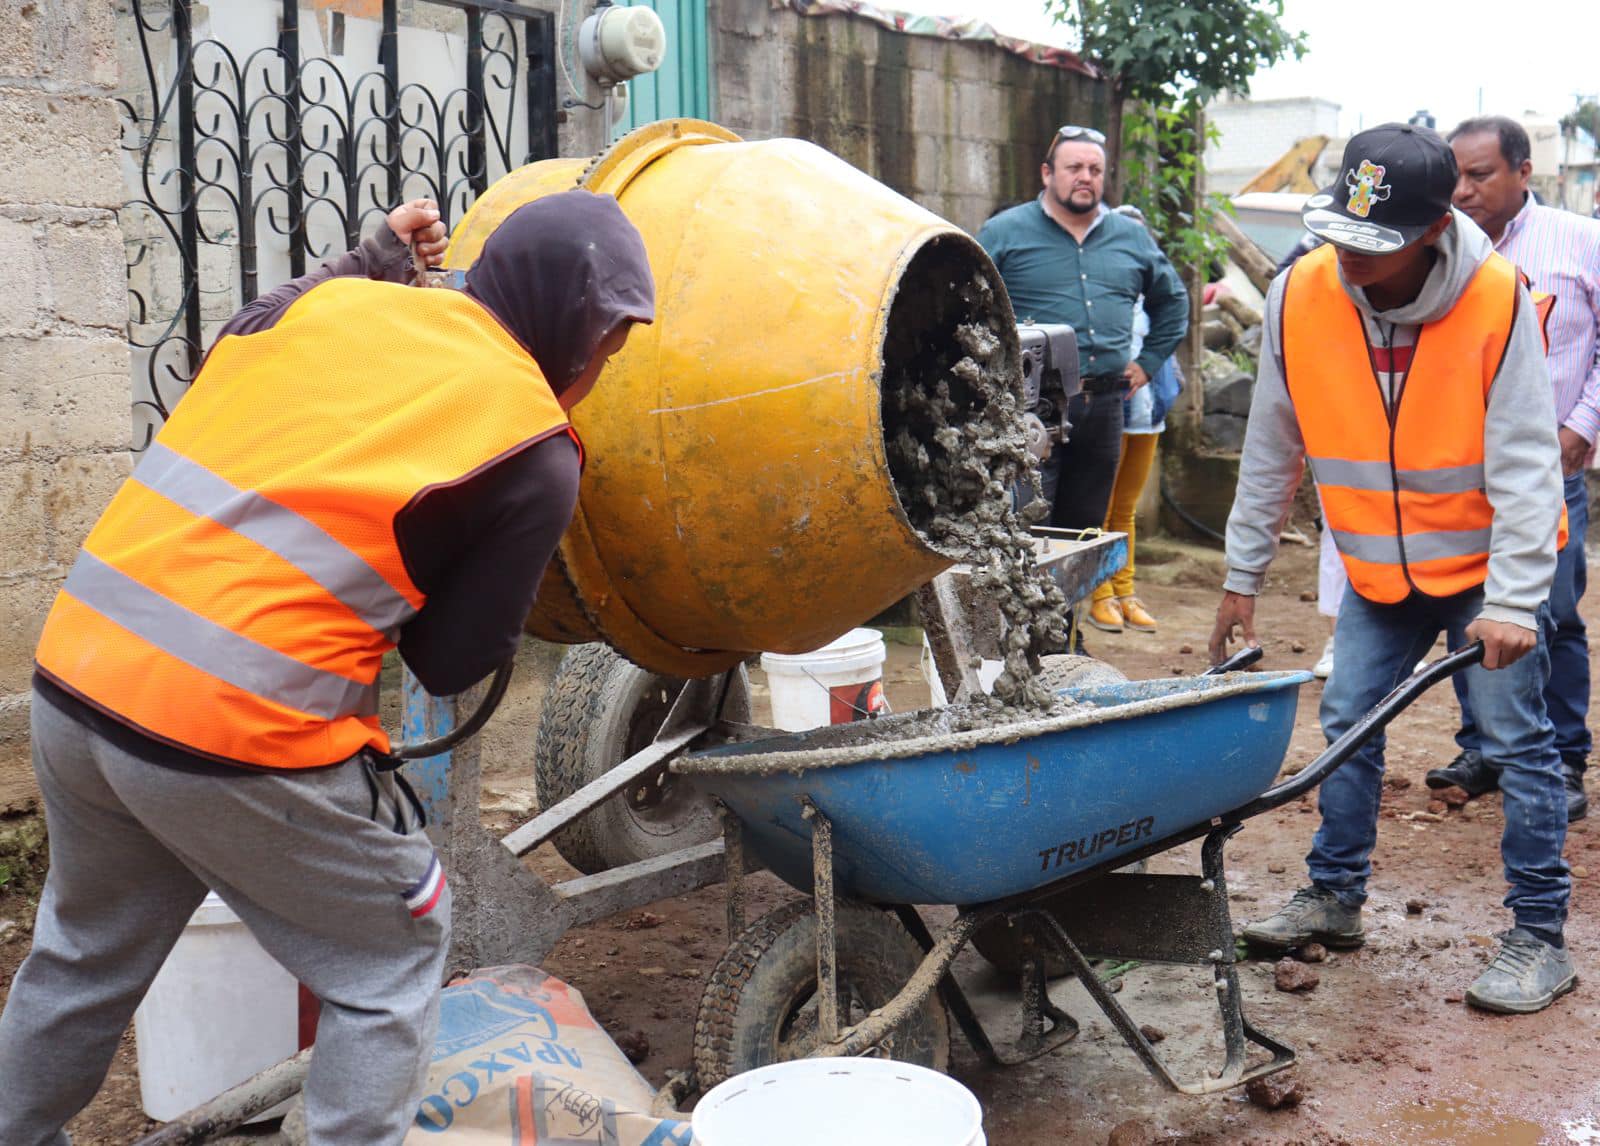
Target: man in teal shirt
x=1066, y=257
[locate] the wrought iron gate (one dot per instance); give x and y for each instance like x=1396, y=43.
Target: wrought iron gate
x=270, y=134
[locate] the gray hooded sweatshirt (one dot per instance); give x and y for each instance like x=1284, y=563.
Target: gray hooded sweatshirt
x=1522, y=458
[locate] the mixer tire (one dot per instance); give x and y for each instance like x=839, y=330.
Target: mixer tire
x=1005, y=949
x=1071, y=671
x=600, y=709
x=759, y=1006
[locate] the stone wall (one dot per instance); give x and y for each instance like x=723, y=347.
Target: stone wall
x=959, y=126
x=65, y=382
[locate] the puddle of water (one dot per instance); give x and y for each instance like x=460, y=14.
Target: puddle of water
x=1463, y=1124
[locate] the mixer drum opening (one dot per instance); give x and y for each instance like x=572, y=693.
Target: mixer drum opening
x=951, y=387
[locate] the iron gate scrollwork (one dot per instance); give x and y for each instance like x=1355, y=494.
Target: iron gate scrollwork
x=244, y=161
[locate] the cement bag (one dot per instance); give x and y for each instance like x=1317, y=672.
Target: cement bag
x=520, y=1060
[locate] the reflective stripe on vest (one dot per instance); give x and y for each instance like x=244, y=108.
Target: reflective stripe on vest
x=303, y=544
x=1402, y=486
x=209, y=647
x=238, y=595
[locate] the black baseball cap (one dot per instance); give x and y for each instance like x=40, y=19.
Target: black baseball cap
x=1395, y=183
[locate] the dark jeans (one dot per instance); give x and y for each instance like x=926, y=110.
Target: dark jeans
x=1078, y=476
x=1374, y=648
x=1566, y=697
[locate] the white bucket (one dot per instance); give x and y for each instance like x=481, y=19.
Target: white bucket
x=840, y=1101
x=840, y=682
x=220, y=1011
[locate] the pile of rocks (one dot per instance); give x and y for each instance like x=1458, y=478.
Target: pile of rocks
x=1231, y=329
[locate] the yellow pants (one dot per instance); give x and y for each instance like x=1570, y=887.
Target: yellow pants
x=1133, y=470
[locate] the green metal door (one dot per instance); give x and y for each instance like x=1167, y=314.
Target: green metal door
x=682, y=86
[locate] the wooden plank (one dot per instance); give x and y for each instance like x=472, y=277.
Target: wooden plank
x=594, y=897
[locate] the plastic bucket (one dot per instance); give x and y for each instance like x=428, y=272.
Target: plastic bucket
x=840, y=682
x=840, y=1101
x=220, y=1011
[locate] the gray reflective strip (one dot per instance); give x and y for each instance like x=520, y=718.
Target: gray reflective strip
x=302, y=543
x=1376, y=476
x=1384, y=549
x=213, y=649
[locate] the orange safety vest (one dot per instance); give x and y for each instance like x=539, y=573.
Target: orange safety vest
x=1402, y=486
x=238, y=594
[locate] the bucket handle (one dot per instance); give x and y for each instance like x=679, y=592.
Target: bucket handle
x=864, y=712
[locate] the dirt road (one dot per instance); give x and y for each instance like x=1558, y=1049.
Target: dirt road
x=1389, y=1052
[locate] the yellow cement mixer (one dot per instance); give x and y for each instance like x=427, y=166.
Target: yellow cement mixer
x=739, y=496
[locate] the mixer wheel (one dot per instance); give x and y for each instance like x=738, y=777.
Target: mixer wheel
x=1071, y=671
x=600, y=709
x=759, y=1006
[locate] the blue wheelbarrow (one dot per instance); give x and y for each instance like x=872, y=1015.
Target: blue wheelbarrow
x=1030, y=830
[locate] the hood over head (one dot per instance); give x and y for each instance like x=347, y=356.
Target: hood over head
x=1459, y=253
x=560, y=274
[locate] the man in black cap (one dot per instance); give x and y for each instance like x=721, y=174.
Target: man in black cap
x=1404, y=361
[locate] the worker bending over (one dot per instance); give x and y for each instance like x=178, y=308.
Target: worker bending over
x=359, y=465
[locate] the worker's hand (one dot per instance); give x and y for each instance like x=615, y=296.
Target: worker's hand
x=418, y=226
x=1136, y=376
x=1504, y=644
x=1236, y=609
x=1574, y=451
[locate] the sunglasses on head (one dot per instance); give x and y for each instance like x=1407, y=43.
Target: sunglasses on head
x=1073, y=131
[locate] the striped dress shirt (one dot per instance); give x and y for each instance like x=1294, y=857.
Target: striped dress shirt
x=1560, y=254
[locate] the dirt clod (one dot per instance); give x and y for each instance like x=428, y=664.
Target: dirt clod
x=634, y=1044
x=1132, y=1132
x=1454, y=797
x=1313, y=953
x=1277, y=867
x=1580, y=872
x=1275, y=1092
x=1152, y=1034
x=1415, y=906
x=644, y=921
x=1437, y=807
x=1398, y=783
x=1185, y=650
x=1290, y=975
x=1308, y=595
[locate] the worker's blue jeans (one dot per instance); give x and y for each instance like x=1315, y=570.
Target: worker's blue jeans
x=1374, y=648
x=1566, y=697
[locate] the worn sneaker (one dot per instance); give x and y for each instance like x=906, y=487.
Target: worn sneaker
x=1105, y=615
x=1314, y=915
x=1323, y=669
x=1577, y=798
x=1526, y=976
x=1469, y=771
x=1135, y=615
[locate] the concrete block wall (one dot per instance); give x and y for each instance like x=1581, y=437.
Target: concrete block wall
x=64, y=387
x=1256, y=132
x=958, y=126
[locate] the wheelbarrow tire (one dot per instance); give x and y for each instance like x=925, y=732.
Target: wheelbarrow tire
x=763, y=989
x=601, y=708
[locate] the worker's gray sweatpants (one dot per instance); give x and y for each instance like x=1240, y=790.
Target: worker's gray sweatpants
x=298, y=856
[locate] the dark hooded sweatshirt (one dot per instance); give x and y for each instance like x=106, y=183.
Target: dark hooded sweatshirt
x=559, y=274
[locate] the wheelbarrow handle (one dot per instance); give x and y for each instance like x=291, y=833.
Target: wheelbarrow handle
x=1240, y=660
x=1364, y=730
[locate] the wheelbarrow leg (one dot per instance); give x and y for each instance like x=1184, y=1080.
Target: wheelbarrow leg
x=827, y=949
x=1237, y=1032
x=733, y=863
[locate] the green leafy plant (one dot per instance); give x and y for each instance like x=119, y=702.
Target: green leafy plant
x=1168, y=59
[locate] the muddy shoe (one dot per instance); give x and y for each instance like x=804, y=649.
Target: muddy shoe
x=1577, y=798
x=1313, y=915
x=1468, y=771
x=1526, y=976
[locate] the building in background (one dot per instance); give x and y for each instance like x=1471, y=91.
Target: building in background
x=1255, y=133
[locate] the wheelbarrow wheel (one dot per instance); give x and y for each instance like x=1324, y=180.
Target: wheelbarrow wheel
x=760, y=1005
x=600, y=709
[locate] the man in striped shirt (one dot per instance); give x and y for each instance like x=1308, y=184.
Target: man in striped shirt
x=1560, y=253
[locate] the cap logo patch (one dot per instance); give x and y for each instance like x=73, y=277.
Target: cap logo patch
x=1366, y=187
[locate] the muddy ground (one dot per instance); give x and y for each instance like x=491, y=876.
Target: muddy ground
x=1388, y=1051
